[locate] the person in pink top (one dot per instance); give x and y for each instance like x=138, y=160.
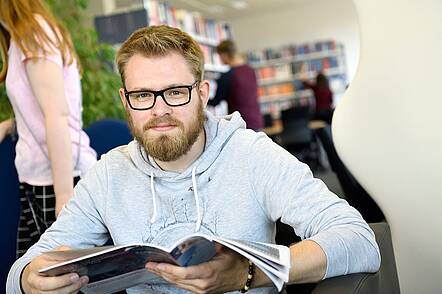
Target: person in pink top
x=42, y=75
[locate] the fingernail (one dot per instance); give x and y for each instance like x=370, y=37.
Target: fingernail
x=150, y=267
x=84, y=279
x=74, y=278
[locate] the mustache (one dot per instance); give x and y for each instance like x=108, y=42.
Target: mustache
x=162, y=120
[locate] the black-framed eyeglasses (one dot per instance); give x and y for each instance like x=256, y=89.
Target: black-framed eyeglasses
x=173, y=96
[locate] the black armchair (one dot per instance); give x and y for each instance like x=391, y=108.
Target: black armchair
x=297, y=137
x=383, y=281
x=296, y=134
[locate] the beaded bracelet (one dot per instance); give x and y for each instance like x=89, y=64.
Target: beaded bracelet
x=250, y=276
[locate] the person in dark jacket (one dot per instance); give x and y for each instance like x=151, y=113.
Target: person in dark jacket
x=323, y=97
x=238, y=86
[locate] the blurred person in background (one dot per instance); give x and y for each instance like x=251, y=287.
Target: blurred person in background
x=41, y=71
x=323, y=97
x=238, y=86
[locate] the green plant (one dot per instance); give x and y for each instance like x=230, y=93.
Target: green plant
x=5, y=107
x=100, y=83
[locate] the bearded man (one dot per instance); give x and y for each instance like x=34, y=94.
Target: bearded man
x=188, y=171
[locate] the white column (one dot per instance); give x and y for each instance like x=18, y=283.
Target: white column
x=388, y=130
x=108, y=6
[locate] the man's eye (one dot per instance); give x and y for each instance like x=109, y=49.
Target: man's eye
x=142, y=95
x=178, y=93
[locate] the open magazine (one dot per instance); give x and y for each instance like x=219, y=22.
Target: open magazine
x=115, y=268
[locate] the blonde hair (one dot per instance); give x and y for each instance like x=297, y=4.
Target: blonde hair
x=159, y=41
x=23, y=28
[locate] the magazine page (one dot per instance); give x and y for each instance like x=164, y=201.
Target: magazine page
x=78, y=258
x=277, y=277
x=272, y=252
x=275, y=257
x=276, y=267
x=121, y=282
x=280, y=269
x=124, y=266
x=194, y=250
x=114, y=268
x=70, y=255
x=272, y=259
x=111, y=263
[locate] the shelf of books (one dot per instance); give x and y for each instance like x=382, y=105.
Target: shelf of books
x=116, y=27
x=280, y=73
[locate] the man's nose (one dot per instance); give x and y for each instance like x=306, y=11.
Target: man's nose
x=161, y=108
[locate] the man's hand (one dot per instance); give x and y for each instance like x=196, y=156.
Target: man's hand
x=227, y=271
x=34, y=282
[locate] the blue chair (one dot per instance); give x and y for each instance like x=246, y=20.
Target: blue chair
x=107, y=134
x=10, y=208
x=104, y=135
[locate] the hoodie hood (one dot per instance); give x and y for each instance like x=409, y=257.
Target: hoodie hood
x=218, y=133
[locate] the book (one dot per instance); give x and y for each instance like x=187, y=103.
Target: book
x=115, y=268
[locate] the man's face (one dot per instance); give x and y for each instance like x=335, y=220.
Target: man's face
x=224, y=58
x=165, y=132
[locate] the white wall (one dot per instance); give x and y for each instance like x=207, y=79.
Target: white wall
x=303, y=22
x=388, y=130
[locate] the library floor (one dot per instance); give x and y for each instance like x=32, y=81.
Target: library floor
x=330, y=179
x=320, y=167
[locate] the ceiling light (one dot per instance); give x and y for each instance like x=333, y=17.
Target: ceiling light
x=239, y=4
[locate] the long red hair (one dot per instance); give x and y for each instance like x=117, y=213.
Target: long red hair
x=23, y=28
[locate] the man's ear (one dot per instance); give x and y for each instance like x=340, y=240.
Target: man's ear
x=204, y=91
x=122, y=97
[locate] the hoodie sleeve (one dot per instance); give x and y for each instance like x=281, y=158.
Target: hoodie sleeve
x=286, y=189
x=79, y=225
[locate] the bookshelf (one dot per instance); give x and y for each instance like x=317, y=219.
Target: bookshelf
x=115, y=27
x=280, y=73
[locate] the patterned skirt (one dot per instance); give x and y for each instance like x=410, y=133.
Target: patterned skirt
x=37, y=214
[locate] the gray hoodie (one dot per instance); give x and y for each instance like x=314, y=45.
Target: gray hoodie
x=239, y=186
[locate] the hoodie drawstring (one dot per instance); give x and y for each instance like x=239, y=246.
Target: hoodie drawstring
x=197, y=200
x=154, y=200
x=195, y=195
